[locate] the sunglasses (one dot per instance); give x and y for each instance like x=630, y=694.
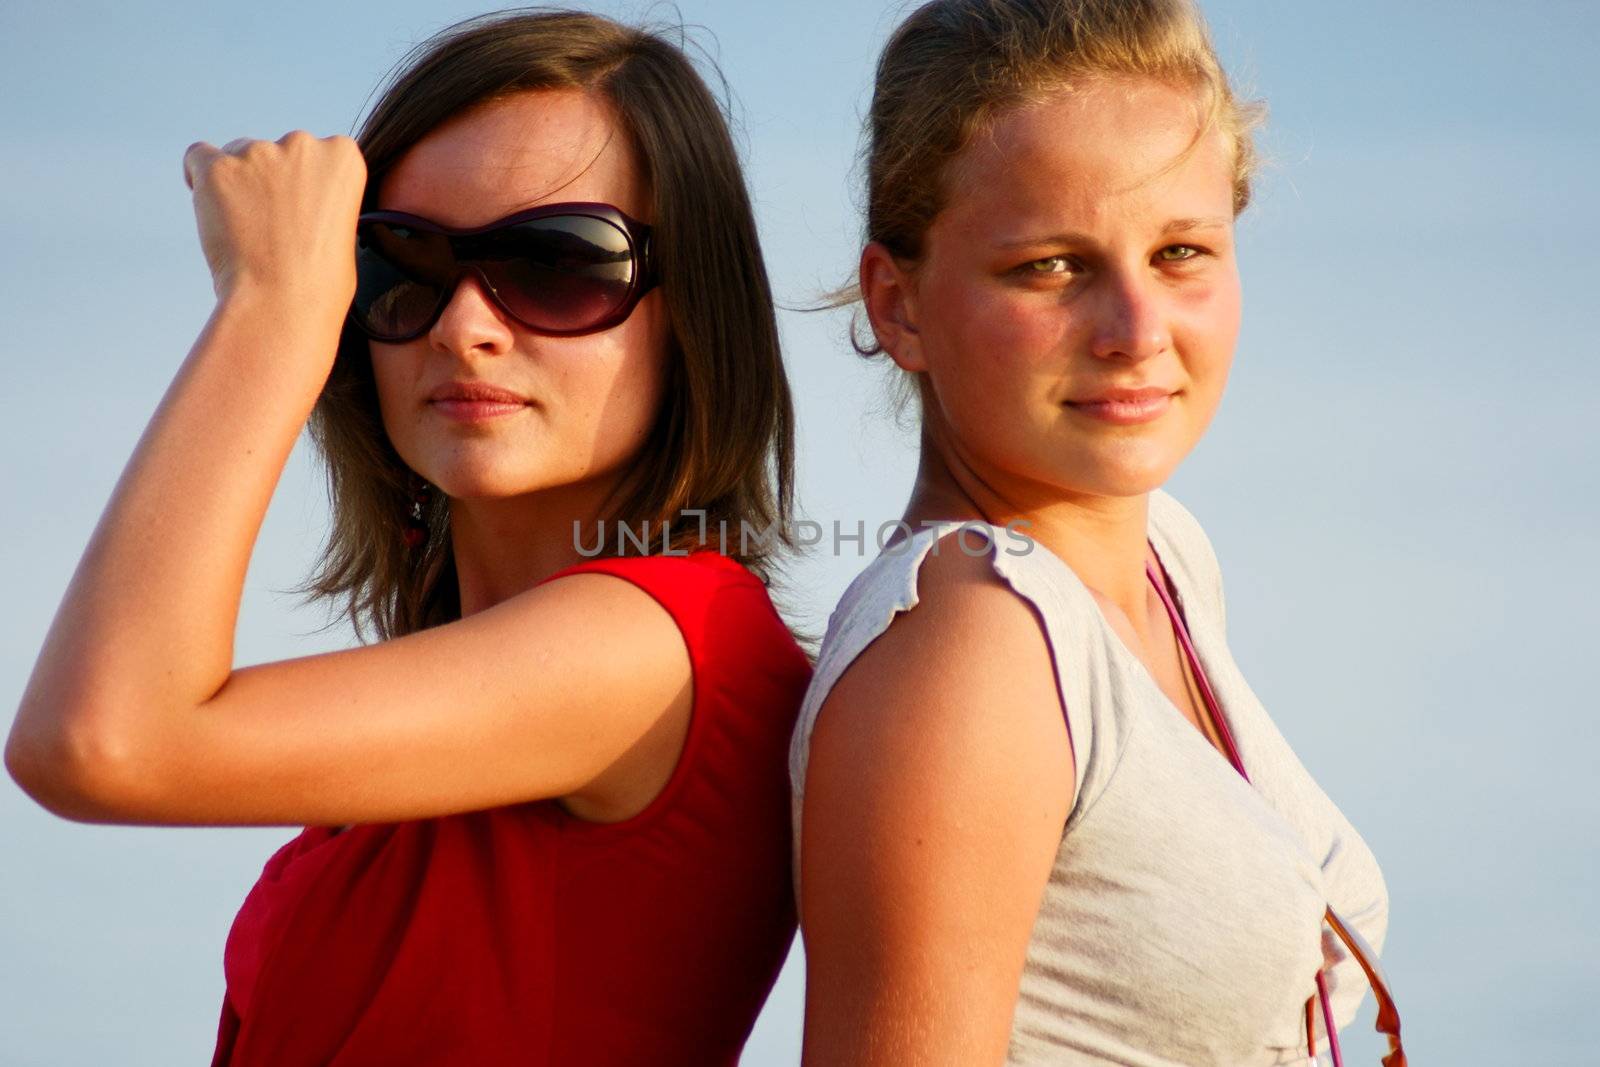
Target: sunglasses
x=1388, y=1021
x=558, y=269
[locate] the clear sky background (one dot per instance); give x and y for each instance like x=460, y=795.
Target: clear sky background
x=1401, y=484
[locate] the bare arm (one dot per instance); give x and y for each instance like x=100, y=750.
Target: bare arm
x=936, y=792
x=134, y=711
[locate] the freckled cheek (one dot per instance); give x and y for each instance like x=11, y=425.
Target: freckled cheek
x=1207, y=331
x=994, y=347
x=395, y=377
x=643, y=359
x=610, y=392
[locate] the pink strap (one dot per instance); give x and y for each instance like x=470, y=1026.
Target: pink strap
x=1194, y=665
x=1212, y=705
x=1327, y=1020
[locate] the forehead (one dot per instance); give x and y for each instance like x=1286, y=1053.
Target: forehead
x=1092, y=154
x=531, y=148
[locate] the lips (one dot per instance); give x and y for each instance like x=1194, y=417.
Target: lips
x=1125, y=396
x=474, y=392
x=1125, y=407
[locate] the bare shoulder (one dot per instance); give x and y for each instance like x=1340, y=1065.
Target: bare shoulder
x=970, y=655
x=936, y=792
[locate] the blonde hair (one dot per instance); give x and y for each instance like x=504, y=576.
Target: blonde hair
x=953, y=66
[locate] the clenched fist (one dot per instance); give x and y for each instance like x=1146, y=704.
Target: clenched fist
x=279, y=214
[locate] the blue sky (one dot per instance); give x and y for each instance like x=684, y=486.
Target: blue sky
x=1401, y=485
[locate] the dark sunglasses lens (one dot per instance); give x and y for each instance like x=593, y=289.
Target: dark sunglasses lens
x=402, y=276
x=562, y=273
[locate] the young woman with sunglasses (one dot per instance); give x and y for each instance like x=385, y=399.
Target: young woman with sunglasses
x=546, y=814
x=1041, y=816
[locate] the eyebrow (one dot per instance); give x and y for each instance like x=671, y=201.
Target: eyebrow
x=1071, y=238
x=1210, y=222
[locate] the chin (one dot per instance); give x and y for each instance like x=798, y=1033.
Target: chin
x=1113, y=484
x=469, y=481
x=1123, y=472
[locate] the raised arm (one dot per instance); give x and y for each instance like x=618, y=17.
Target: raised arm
x=935, y=797
x=134, y=712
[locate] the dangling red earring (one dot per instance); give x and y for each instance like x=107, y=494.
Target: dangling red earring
x=416, y=528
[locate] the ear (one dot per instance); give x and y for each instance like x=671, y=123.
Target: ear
x=888, y=292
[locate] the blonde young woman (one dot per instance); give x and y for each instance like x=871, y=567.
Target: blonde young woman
x=545, y=817
x=1041, y=817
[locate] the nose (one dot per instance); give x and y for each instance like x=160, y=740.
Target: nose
x=1131, y=321
x=471, y=323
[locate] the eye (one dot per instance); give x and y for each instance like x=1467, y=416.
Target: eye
x=1179, y=253
x=1047, y=265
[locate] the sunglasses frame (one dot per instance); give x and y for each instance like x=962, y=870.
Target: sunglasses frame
x=1388, y=1020
x=640, y=248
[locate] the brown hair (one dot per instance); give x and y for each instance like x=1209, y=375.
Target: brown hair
x=954, y=65
x=723, y=440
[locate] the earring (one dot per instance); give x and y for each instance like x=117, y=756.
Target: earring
x=416, y=525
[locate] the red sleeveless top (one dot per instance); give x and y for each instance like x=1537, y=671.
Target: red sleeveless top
x=525, y=935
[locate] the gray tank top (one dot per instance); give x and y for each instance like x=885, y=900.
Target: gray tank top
x=1182, y=922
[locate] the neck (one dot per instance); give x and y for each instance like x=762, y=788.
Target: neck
x=1102, y=538
x=507, y=546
